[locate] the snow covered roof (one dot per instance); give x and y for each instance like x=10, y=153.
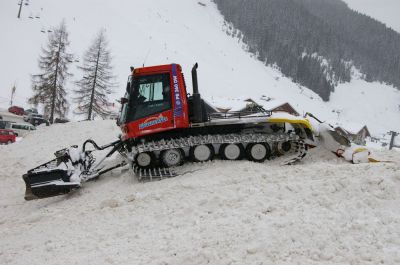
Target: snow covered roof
x=239, y=103
x=353, y=128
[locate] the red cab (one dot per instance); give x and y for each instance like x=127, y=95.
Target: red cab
x=16, y=110
x=7, y=136
x=156, y=101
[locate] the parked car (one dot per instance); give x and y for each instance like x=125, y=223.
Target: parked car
x=21, y=129
x=7, y=136
x=16, y=110
x=5, y=124
x=29, y=111
x=37, y=120
x=32, y=115
x=61, y=120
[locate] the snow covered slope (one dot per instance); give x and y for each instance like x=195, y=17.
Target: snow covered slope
x=322, y=211
x=359, y=103
x=160, y=32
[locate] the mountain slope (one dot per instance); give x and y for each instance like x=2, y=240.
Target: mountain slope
x=316, y=42
x=159, y=32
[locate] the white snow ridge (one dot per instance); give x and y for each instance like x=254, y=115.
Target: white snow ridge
x=321, y=211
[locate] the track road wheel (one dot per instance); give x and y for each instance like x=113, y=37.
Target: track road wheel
x=172, y=157
x=283, y=147
x=231, y=151
x=258, y=152
x=202, y=153
x=286, y=146
x=145, y=159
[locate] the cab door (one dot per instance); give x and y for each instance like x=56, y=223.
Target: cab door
x=149, y=108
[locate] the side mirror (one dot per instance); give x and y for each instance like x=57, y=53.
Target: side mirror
x=124, y=101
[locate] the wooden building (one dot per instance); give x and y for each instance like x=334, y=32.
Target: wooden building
x=356, y=136
x=284, y=107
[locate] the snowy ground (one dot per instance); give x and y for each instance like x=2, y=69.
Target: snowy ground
x=322, y=211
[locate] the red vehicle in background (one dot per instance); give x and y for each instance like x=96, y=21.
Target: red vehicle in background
x=7, y=136
x=16, y=110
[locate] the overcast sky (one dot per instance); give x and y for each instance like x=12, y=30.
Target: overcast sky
x=386, y=11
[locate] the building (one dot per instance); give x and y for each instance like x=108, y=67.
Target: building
x=247, y=106
x=253, y=106
x=356, y=134
x=285, y=107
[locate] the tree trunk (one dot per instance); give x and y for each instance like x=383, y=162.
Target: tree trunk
x=53, y=100
x=94, y=83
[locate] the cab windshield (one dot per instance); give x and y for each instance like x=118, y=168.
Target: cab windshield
x=148, y=95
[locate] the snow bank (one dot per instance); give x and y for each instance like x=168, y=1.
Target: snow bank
x=322, y=211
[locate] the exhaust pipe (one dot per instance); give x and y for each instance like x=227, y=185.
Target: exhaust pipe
x=197, y=106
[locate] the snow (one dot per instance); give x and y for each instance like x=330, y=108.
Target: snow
x=238, y=103
x=367, y=99
x=176, y=31
x=7, y=116
x=321, y=211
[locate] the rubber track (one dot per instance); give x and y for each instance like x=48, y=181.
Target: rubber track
x=158, y=173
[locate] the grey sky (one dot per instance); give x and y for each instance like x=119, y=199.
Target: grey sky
x=386, y=11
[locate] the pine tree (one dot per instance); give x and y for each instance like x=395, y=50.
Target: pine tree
x=97, y=80
x=49, y=86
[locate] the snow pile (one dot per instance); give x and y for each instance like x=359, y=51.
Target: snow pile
x=322, y=211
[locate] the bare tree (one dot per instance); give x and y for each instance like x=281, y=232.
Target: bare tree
x=97, y=80
x=49, y=86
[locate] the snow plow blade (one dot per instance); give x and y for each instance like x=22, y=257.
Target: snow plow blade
x=46, y=184
x=68, y=171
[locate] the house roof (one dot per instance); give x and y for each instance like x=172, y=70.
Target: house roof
x=354, y=128
x=286, y=107
x=237, y=104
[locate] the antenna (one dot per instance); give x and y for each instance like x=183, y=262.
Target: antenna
x=147, y=54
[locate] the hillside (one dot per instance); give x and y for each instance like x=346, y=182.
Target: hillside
x=321, y=211
x=182, y=32
x=316, y=42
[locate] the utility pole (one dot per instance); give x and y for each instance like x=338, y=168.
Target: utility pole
x=12, y=94
x=391, y=145
x=20, y=7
